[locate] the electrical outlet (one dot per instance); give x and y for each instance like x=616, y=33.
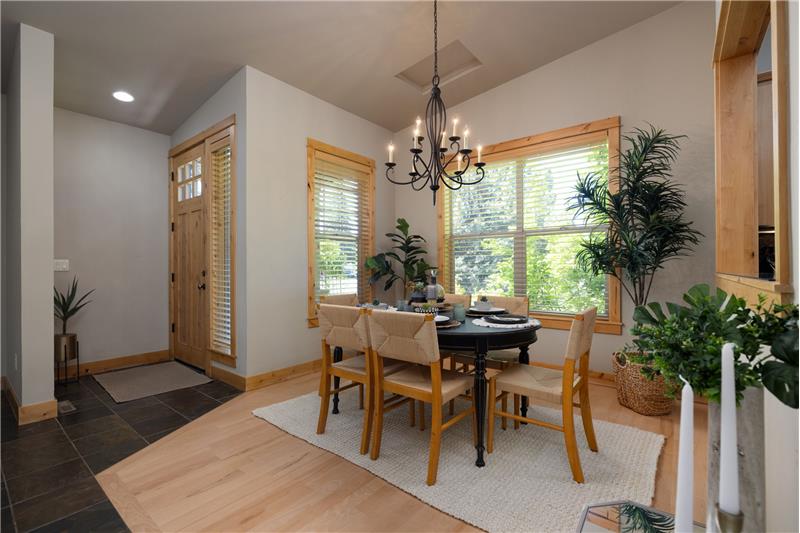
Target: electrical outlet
x=61, y=265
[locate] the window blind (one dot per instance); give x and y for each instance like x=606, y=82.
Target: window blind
x=512, y=233
x=220, y=242
x=342, y=226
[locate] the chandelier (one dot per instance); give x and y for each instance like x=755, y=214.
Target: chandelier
x=448, y=159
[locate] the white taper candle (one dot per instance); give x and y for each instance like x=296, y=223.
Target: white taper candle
x=685, y=488
x=391, y=153
x=728, y=448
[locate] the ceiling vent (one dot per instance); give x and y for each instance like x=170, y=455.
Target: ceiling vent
x=454, y=61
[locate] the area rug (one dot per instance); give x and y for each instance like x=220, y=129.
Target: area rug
x=526, y=484
x=134, y=383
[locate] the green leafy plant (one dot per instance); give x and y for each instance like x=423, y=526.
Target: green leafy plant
x=640, y=520
x=644, y=217
x=780, y=374
x=686, y=340
x=483, y=299
x=407, y=256
x=65, y=304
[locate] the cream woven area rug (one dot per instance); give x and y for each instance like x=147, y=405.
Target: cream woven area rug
x=526, y=484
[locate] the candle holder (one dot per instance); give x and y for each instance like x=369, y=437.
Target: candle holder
x=728, y=522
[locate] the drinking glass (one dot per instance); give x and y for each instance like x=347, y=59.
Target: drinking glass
x=459, y=313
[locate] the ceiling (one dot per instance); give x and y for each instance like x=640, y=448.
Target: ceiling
x=172, y=56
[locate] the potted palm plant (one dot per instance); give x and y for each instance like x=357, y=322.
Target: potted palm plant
x=646, y=227
x=66, y=306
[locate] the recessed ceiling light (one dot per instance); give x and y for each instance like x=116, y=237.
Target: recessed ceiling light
x=123, y=96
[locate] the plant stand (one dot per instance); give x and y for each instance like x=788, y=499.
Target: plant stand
x=66, y=367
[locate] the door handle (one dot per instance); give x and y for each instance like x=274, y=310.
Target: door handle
x=201, y=286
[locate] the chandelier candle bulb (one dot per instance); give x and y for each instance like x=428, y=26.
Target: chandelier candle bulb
x=444, y=142
x=455, y=123
x=479, y=152
x=391, y=153
x=466, y=138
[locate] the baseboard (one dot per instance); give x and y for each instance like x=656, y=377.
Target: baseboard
x=115, y=363
x=28, y=414
x=231, y=378
x=258, y=381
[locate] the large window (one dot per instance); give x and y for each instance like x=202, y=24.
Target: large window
x=512, y=234
x=340, y=223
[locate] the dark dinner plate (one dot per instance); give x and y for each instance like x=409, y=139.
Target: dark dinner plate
x=506, y=319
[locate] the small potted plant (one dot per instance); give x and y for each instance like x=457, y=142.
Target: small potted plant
x=407, y=256
x=483, y=303
x=66, y=306
x=646, y=227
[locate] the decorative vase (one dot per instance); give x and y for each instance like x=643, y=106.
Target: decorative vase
x=750, y=444
x=637, y=392
x=65, y=347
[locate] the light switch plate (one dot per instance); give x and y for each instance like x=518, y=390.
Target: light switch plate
x=61, y=265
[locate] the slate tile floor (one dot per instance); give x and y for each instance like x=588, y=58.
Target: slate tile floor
x=48, y=468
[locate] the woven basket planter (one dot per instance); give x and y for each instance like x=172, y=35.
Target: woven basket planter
x=636, y=392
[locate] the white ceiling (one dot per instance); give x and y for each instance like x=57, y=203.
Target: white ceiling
x=173, y=55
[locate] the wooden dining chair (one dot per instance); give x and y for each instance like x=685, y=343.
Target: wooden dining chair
x=339, y=299
x=411, y=337
x=463, y=299
x=553, y=385
x=347, y=327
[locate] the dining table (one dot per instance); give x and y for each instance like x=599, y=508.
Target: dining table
x=481, y=340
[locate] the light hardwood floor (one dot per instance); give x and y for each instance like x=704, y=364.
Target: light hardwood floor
x=230, y=471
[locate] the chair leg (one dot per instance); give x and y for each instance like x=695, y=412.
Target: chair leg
x=586, y=416
x=569, y=439
x=422, y=416
x=490, y=415
x=504, y=408
x=412, y=413
x=324, y=401
x=366, y=432
x=516, y=410
x=452, y=408
x=360, y=395
x=436, y=442
x=377, y=430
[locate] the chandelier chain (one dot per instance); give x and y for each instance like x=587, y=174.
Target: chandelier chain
x=435, y=40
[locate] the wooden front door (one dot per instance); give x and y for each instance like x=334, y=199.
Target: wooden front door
x=188, y=193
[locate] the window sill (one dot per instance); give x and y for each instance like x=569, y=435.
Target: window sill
x=553, y=321
x=228, y=360
x=312, y=322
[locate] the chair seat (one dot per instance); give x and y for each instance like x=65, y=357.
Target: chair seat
x=418, y=377
x=358, y=364
x=534, y=381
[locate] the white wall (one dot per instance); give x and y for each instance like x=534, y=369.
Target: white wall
x=657, y=71
x=781, y=455
x=228, y=100
x=29, y=219
x=111, y=215
x=280, y=119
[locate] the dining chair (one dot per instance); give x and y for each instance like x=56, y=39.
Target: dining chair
x=347, y=327
x=463, y=299
x=553, y=385
x=339, y=299
x=411, y=337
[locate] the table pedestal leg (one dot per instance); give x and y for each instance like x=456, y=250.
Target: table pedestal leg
x=479, y=398
x=524, y=359
x=337, y=356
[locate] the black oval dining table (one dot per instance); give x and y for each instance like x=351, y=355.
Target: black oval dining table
x=481, y=340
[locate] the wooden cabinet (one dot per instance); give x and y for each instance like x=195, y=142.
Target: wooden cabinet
x=751, y=131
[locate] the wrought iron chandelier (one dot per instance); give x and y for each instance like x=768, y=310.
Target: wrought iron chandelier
x=455, y=156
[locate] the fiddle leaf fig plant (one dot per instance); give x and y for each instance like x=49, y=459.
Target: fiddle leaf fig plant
x=405, y=262
x=65, y=304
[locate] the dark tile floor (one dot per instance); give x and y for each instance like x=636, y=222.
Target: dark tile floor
x=48, y=468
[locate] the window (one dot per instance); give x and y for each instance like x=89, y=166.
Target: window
x=219, y=151
x=190, y=184
x=341, y=189
x=512, y=233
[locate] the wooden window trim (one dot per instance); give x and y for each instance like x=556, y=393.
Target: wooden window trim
x=579, y=134
x=356, y=161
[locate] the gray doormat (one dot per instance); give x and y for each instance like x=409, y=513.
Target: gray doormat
x=141, y=381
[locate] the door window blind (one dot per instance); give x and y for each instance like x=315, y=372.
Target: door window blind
x=342, y=218
x=512, y=233
x=220, y=242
